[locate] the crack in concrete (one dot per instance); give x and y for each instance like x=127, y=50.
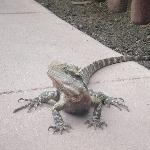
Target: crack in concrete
x=43, y=88
x=121, y=80
x=19, y=13
x=22, y=91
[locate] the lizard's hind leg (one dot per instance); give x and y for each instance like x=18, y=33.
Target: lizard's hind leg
x=97, y=101
x=44, y=97
x=96, y=121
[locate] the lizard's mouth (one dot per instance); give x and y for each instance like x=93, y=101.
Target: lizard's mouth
x=73, y=93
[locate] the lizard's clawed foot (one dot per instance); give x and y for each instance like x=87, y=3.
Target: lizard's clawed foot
x=60, y=128
x=117, y=102
x=32, y=103
x=97, y=123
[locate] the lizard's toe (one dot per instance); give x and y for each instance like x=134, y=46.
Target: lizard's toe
x=96, y=123
x=32, y=103
x=117, y=102
x=60, y=129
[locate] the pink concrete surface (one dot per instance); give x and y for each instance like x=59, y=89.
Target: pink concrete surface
x=20, y=6
x=28, y=43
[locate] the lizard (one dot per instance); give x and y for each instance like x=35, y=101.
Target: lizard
x=73, y=95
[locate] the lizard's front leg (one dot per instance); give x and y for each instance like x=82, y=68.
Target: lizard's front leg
x=98, y=99
x=60, y=126
x=37, y=101
x=107, y=100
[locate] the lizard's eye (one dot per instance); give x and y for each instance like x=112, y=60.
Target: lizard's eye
x=77, y=76
x=73, y=74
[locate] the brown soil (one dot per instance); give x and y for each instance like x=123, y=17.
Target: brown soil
x=113, y=30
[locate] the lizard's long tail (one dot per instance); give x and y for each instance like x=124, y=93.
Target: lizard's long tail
x=89, y=70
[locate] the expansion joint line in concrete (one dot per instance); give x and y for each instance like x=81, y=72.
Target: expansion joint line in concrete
x=43, y=88
x=22, y=91
x=121, y=80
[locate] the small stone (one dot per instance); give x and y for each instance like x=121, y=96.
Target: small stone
x=80, y=26
x=148, y=37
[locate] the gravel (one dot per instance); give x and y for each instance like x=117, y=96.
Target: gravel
x=113, y=30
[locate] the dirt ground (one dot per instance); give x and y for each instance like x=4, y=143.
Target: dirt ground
x=113, y=30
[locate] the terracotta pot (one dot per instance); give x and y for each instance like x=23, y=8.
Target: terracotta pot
x=140, y=11
x=117, y=5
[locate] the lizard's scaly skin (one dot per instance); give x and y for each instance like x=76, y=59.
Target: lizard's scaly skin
x=73, y=95
x=89, y=70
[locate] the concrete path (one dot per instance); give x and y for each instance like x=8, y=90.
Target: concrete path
x=30, y=38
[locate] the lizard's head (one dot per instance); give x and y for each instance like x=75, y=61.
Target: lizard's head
x=66, y=78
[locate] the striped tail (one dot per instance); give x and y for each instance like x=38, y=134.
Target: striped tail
x=89, y=70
